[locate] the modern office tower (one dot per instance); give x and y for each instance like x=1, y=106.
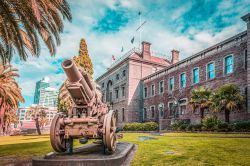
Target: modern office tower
x=42, y=84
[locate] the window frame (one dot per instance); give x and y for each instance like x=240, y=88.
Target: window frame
x=160, y=87
x=145, y=95
x=152, y=111
x=152, y=85
x=207, y=75
x=224, y=64
x=169, y=83
x=193, y=80
x=185, y=80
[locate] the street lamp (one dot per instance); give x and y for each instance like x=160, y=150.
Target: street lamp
x=160, y=115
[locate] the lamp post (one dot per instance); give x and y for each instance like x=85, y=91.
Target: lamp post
x=160, y=115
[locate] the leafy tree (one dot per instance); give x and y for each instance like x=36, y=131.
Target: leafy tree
x=200, y=99
x=10, y=96
x=227, y=98
x=38, y=114
x=82, y=61
x=24, y=22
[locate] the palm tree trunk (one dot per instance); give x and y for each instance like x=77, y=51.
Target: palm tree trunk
x=37, y=126
x=227, y=113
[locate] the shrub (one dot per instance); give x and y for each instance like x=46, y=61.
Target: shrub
x=180, y=125
x=241, y=126
x=222, y=126
x=210, y=123
x=148, y=126
x=197, y=127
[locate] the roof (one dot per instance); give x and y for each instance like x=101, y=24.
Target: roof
x=203, y=52
x=135, y=53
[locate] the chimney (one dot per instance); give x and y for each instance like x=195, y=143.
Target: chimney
x=175, y=56
x=146, y=54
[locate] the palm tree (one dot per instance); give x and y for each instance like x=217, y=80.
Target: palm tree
x=227, y=98
x=38, y=114
x=200, y=99
x=23, y=22
x=10, y=95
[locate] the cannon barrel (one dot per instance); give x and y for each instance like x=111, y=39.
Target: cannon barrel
x=75, y=76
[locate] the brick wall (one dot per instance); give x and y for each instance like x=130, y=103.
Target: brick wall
x=239, y=77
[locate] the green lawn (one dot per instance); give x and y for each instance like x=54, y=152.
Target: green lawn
x=188, y=149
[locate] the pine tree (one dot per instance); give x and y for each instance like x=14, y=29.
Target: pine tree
x=83, y=59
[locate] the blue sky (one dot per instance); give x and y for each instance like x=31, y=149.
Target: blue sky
x=109, y=25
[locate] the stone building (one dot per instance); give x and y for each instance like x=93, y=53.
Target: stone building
x=140, y=84
x=222, y=63
x=121, y=83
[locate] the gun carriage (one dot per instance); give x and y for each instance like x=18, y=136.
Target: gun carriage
x=89, y=118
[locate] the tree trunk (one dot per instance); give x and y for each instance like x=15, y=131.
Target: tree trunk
x=227, y=113
x=202, y=113
x=37, y=127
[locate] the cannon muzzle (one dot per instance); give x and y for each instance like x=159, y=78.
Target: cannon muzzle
x=80, y=86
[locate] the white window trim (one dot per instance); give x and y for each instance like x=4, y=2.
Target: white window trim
x=186, y=103
x=224, y=64
x=180, y=80
x=160, y=87
x=207, y=70
x=151, y=111
x=169, y=84
x=193, y=75
x=151, y=90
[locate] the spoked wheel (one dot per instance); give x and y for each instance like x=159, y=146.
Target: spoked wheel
x=57, y=135
x=109, y=128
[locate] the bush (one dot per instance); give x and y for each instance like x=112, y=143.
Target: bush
x=180, y=125
x=210, y=123
x=148, y=126
x=222, y=126
x=241, y=126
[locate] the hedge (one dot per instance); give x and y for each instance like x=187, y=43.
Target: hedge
x=212, y=124
x=147, y=126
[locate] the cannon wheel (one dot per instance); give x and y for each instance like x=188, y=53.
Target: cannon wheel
x=56, y=135
x=109, y=128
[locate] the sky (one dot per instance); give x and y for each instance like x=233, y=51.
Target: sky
x=109, y=25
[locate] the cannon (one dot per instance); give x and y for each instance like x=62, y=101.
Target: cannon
x=89, y=117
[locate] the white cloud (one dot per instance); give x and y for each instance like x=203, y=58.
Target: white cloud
x=102, y=46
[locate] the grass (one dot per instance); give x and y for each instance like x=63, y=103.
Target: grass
x=188, y=148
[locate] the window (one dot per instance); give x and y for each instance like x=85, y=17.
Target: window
x=145, y=92
x=124, y=73
x=152, y=111
x=123, y=91
x=123, y=114
x=152, y=90
x=245, y=58
x=210, y=71
x=229, y=64
x=161, y=87
x=103, y=85
x=183, y=80
x=117, y=93
x=183, y=106
x=145, y=113
x=117, y=76
x=196, y=75
x=171, y=108
x=171, y=84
